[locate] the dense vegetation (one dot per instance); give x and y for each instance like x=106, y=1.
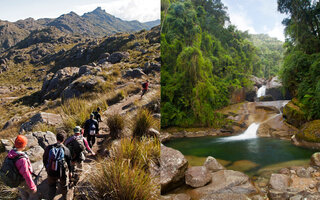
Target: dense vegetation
x=203, y=61
x=301, y=68
x=270, y=53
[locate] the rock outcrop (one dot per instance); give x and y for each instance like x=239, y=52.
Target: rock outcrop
x=294, y=114
x=173, y=166
x=42, y=117
x=197, y=176
x=276, y=90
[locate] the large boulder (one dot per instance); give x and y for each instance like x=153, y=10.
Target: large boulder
x=6, y=144
x=117, y=57
x=32, y=141
x=310, y=132
x=294, y=114
x=251, y=94
x=315, y=159
x=88, y=70
x=81, y=85
x=275, y=127
x=150, y=67
x=212, y=164
x=227, y=181
x=45, y=138
x=35, y=153
x=279, y=182
x=53, y=85
x=257, y=81
x=276, y=90
x=197, y=176
x=42, y=117
x=134, y=73
x=173, y=166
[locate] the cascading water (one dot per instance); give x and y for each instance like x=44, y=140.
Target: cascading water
x=261, y=91
x=250, y=133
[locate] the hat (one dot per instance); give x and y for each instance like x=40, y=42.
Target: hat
x=77, y=129
x=21, y=141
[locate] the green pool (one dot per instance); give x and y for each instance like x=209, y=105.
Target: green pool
x=248, y=155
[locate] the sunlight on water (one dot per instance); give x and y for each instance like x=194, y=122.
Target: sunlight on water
x=250, y=133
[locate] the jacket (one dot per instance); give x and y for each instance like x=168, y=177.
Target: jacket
x=24, y=167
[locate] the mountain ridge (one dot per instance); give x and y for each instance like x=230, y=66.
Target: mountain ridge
x=97, y=23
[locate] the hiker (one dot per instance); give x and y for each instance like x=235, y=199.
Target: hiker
x=97, y=115
x=57, y=160
x=77, y=144
x=17, y=166
x=91, y=129
x=145, y=88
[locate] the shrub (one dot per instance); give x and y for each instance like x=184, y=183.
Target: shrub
x=142, y=123
x=116, y=124
x=125, y=174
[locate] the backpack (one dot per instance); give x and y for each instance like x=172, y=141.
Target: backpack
x=144, y=85
x=55, y=164
x=92, y=128
x=76, y=147
x=9, y=173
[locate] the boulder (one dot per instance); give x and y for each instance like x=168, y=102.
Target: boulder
x=88, y=70
x=52, y=88
x=279, y=182
x=32, y=141
x=275, y=127
x=173, y=166
x=134, y=73
x=294, y=115
x=212, y=164
x=45, y=138
x=257, y=81
x=11, y=122
x=151, y=67
x=227, y=181
x=116, y=57
x=42, y=117
x=197, y=176
x=315, y=159
x=7, y=144
x=80, y=86
x=251, y=94
x=267, y=97
x=310, y=132
x=275, y=89
x=35, y=153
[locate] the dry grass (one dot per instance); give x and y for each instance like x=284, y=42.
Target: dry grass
x=142, y=123
x=116, y=125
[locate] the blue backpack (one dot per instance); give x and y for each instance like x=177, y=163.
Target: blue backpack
x=55, y=164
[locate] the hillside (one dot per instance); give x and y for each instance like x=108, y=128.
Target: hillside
x=270, y=53
x=97, y=23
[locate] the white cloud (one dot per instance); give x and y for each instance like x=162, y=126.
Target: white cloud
x=140, y=10
x=277, y=31
x=242, y=22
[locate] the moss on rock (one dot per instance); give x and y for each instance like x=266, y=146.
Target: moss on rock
x=310, y=132
x=293, y=114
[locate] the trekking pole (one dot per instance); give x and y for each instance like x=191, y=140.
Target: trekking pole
x=37, y=176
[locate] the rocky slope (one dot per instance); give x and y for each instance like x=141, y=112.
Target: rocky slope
x=97, y=23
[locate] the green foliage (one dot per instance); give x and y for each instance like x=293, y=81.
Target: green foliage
x=116, y=124
x=202, y=62
x=301, y=68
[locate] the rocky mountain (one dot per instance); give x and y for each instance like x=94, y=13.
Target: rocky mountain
x=97, y=23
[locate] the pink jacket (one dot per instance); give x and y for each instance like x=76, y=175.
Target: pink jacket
x=24, y=167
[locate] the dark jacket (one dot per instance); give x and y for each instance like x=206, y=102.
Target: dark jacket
x=87, y=126
x=67, y=155
x=97, y=116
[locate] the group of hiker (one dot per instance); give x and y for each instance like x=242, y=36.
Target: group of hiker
x=63, y=160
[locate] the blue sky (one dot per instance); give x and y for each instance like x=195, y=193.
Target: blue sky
x=256, y=16
x=142, y=10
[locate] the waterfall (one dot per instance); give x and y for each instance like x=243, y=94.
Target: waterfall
x=261, y=91
x=250, y=133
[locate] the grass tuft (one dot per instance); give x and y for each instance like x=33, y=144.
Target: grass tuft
x=142, y=123
x=116, y=125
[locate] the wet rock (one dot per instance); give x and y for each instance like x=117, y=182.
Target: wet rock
x=275, y=127
x=197, y=176
x=279, y=182
x=212, y=164
x=173, y=167
x=251, y=94
x=35, y=153
x=134, y=73
x=227, y=181
x=266, y=98
x=42, y=117
x=294, y=115
x=275, y=89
